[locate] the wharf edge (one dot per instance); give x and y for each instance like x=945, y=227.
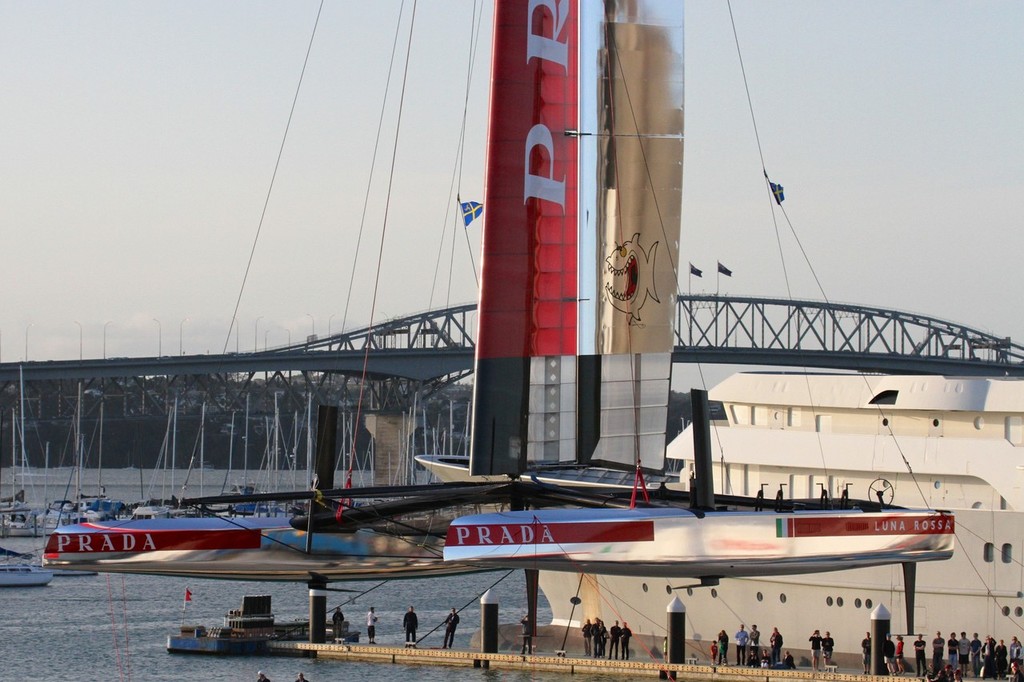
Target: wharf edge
x=548, y=663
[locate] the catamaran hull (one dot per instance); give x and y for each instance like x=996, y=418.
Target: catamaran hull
x=681, y=543
x=242, y=549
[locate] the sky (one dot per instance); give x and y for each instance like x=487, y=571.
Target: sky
x=139, y=147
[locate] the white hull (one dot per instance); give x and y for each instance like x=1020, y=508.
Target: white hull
x=962, y=440
x=20, y=575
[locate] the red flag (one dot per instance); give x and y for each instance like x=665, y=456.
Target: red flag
x=188, y=595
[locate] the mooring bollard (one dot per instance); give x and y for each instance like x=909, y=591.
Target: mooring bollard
x=881, y=624
x=676, y=653
x=488, y=627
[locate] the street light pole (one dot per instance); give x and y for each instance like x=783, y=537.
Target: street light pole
x=105, y=324
x=79, y=340
x=159, y=338
x=181, y=328
x=256, y=334
x=312, y=324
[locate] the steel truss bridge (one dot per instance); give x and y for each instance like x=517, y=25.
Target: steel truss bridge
x=420, y=353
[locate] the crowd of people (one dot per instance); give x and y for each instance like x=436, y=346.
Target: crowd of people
x=600, y=641
x=954, y=657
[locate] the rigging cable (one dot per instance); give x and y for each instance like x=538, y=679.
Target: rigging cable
x=273, y=177
x=456, y=182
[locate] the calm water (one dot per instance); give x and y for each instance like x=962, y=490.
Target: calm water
x=113, y=627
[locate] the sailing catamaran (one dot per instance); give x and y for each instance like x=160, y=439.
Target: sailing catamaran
x=581, y=254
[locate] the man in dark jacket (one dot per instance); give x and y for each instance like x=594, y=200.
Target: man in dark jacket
x=410, y=621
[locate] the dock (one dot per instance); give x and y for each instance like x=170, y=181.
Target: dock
x=548, y=663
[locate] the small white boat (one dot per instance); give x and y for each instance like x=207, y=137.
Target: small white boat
x=24, y=575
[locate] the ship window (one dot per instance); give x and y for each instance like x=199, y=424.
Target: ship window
x=760, y=596
x=885, y=398
x=839, y=601
x=644, y=586
x=989, y=552
x=857, y=602
x=689, y=591
x=828, y=601
x=1007, y=553
x=1006, y=610
x=867, y=603
x=1018, y=612
x=714, y=593
x=668, y=589
x=979, y=423
x=885, y=421
x=782, y=598
x=935, y=422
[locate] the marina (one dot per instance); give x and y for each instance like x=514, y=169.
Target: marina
x=560, y=501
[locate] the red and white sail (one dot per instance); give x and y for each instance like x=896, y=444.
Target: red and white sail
x=580, y=250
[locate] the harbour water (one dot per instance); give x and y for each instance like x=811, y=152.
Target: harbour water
x=114, y=627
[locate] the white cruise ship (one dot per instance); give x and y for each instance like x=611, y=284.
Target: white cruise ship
x=919, y=441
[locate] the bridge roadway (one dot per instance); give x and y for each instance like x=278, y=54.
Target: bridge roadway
x=433, y=348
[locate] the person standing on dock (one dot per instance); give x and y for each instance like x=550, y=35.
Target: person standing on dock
x=587, y=630
x=755, y=638
x=815, y=640
x=742, y=638
x=776, y=643
x=625, y=634
x=450, y=623
x=938, y=646
x=615, y=631
x=337, y=620
x=865, y=651
x=920, y=659
x=527, y=635
x=410, y=622
x=371, y=626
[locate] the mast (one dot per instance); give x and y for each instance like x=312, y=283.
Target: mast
x=580, y=247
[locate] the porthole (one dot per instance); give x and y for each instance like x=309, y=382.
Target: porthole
x=668, y=589
x=714, y=593
x=885, y=421
x=828, y=601
x=1007, y=553
x=856, y=602
x=689, y=591
x=1006, y=610
x=782, y=598
x=839, y=601
x=760, y=596
x=1018, y=612
x=644, y=587
x=937, y=484
x=979, y=423
x=988, y=553
x=867, y=603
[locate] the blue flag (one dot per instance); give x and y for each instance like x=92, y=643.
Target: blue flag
x=724, y=270
x=695, y=272
x=471, y=210
x=777, y=193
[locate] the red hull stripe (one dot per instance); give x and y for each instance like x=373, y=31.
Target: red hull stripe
x=151, y=541
x=549, y=533
x=925, y=524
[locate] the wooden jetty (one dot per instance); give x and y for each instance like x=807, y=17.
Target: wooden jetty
x=549, y=663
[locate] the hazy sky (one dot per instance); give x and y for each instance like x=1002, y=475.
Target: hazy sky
x=138, y=142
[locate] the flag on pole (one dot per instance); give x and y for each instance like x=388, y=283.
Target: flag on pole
x=471, y=210
x=695, y=272
x=777, y=193
x=724, y=270
x=188, y=595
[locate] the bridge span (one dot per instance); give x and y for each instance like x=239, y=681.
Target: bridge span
x=423, y=351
